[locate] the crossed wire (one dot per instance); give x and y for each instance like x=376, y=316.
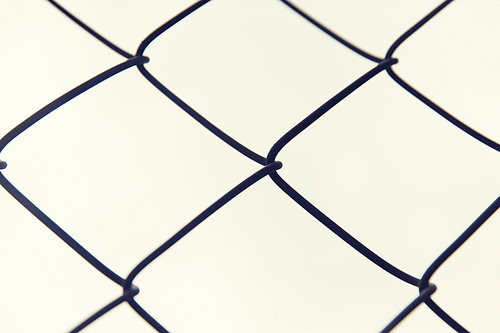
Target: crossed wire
x=269, y=167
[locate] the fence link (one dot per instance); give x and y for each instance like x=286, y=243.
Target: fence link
x=270, y=165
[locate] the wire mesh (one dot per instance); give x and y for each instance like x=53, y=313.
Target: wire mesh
x=269, y=166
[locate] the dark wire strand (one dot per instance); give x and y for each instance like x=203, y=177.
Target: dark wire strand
x=459, y=242
x=146, y=316
x=414, y=28
x=200, y=119
x=331, y=33
x=59, y=231
x=69, y=96
x=32, y=120
x=91, y=31
x=127, y=284
x=465, y=128
x=424, y=295
x=297, y=129
x=202, y=217
x=123, y=298
x=179, y=102
x=426, y=289
x=170, y=23
x=478, y=136
x=336, y=229
x=445, y=317
x=424, y=282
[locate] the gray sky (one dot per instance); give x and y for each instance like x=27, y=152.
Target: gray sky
x=121, y=168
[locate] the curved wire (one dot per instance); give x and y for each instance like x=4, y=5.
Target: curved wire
x=478, y=136
x=200, y=119
x=200, y=218
x=179, y=102
x=425, y=294
x=146, y=316
x=424, y=282
x=331, y=33
x=127, y=284
x=32, y=120
x=426, y=289
x=297, y=129
x=444, y=316
x=459, y=242
x=414, y=28
x=59, y=231
x=125, y=297
x=69, y=96
x=467, y=129
x=345, y=236
x=91, y=31
x=167, y=25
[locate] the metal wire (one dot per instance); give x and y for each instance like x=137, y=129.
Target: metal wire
x=269, y=167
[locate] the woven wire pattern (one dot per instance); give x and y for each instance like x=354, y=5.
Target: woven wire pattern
x=269, y=167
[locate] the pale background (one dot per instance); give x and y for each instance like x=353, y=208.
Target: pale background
x=121, y=168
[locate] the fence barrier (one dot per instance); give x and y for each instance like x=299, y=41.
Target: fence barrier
x=269, y=167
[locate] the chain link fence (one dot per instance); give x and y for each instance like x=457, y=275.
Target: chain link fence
x=270, y=166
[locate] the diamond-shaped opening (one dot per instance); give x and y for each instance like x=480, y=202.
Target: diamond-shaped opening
x=104, y=163
x=253, y=68
x=393, y=173
x=261, y=263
